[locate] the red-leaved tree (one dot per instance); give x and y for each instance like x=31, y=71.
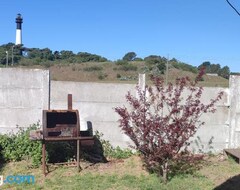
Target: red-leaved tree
x=161, y=119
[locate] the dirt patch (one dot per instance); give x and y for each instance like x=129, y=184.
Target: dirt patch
x=131, y=166
x=220, y=169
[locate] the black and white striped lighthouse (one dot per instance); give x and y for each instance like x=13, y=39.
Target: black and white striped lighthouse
x=19, y=21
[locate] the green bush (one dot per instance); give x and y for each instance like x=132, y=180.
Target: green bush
x=185, y=67
x=16, y=147
x=137, y=59
x=111, y=152
x=47, y=64
x=86, y=57
x=93, y=68
x=102, y=76
x=118, y=76
x=128, y=67
x=121, y=62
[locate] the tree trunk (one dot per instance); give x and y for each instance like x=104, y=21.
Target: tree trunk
x=165, y=172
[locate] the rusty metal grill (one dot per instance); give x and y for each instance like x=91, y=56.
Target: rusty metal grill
x=60, y=123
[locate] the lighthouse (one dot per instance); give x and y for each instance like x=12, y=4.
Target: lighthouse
x=19, y=21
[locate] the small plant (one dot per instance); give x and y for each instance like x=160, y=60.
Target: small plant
x=118, y=76
x=121, y=62
x=128, y=78
x=16, y=147
x=47, y=64
x=93, y=68
x=74, y=68
x=201, y=148
x=111, y=152
x=128, y=67
x=102, y=76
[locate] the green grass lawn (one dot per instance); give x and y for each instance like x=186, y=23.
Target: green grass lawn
x=114, y=181
x=124, y=174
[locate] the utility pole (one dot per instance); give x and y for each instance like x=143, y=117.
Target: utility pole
x=12, y=54
x=167, y=71
x=6, y=58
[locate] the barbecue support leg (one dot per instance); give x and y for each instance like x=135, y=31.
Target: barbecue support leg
x=78, y=155
x=44, y=157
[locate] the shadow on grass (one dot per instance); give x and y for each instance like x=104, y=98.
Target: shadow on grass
x=63, y=151
x=95, y=153
x=2, y=162
x=186, y=165
x=232, y=183
x=60, y=152
x=2, y=165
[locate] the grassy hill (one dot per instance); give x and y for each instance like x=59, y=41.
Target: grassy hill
x=111, y=72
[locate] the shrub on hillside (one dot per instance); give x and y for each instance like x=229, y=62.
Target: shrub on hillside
x=185, y=67
x=121, y=62
x=128, y=67
x=87, y=57
x=93, y=68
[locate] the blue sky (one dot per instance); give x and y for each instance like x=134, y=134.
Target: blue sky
x=191, y=31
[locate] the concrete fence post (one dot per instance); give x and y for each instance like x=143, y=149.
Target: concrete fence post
x=234, y=116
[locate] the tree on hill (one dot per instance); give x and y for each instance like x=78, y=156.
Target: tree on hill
x=209, y=67
x=215, y=68
x=86, y=57
x=42, y=54
x=12, y=50
x=137, y=59
x=2, y=56
x=155, y=59
x=56, y=55
x=130, y=56
x=65, y=54
x=206, y=64
x=157, y=64
x=184, y=66
x=224, y=72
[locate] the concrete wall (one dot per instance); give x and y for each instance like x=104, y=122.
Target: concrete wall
x=95, y=102
x=23, y=95
x=234, y=114
x=216, y=126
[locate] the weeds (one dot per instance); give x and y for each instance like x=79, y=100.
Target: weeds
x=16, y=147
x=93, y=68
x=110, y=151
